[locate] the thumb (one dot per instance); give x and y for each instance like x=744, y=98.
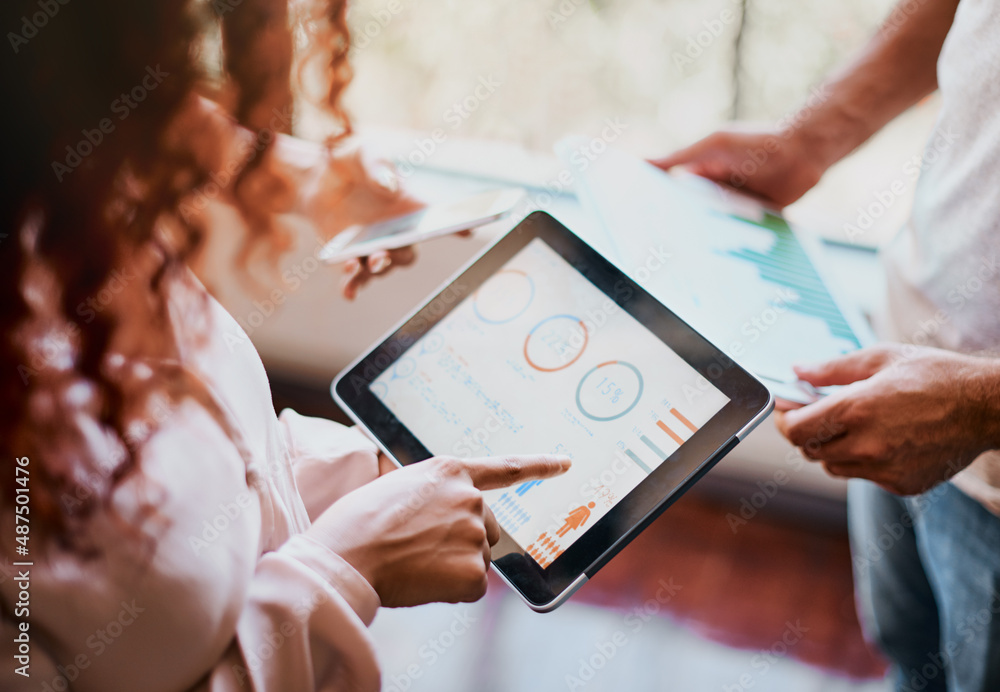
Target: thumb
x=846, y=369
x=697, y=153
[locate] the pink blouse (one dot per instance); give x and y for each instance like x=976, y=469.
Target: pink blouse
x=224, y=588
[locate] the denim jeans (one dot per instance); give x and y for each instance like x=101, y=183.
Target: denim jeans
x=927, y=583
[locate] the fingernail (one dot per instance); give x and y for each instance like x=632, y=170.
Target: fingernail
x=379, y=264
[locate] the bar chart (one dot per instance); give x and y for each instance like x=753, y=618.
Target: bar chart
x=659, y=442
x=786, y=264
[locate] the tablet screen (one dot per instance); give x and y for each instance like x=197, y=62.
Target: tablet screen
x=539, y=359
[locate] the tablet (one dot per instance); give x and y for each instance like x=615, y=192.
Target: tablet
x=540, y=345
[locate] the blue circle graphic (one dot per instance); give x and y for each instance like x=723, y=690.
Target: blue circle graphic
x=604, y=419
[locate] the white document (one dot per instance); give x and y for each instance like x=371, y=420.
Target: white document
x=732, y=269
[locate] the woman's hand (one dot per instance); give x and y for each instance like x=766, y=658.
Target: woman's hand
x=360, y=270
x=423, y=533
x=346, y=188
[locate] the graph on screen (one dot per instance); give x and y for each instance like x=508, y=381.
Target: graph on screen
x=539, y=360
x=733, y=270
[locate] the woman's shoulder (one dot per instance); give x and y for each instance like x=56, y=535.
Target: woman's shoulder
x=169, y=559
x=214, y=346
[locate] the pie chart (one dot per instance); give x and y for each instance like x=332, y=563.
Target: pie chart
x=504, y=296
x=555, y=343
x=609, y=390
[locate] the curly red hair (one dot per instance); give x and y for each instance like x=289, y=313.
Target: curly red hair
x=93, y=176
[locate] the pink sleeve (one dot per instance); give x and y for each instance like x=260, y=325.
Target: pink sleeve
x=204, y=611
x=329, y=460
x=304, y=627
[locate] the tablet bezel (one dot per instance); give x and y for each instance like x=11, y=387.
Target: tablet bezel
x=750, y=402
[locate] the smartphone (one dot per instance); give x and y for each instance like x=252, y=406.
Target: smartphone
x=797, y=391
x=435, y=220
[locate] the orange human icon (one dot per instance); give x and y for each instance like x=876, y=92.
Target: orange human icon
x=577, y=518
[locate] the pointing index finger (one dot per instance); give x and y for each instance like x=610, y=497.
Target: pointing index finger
x=489, y=473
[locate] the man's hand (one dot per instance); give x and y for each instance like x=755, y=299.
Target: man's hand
x=896, y=69
x=779, y=166
x=909, y=418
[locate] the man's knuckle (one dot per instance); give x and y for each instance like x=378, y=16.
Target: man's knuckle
x=852, y=412
x=833, y=469
x=813, y=452
x=798, y=436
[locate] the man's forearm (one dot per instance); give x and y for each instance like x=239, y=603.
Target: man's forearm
x=982, y=389
x=896, y=69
